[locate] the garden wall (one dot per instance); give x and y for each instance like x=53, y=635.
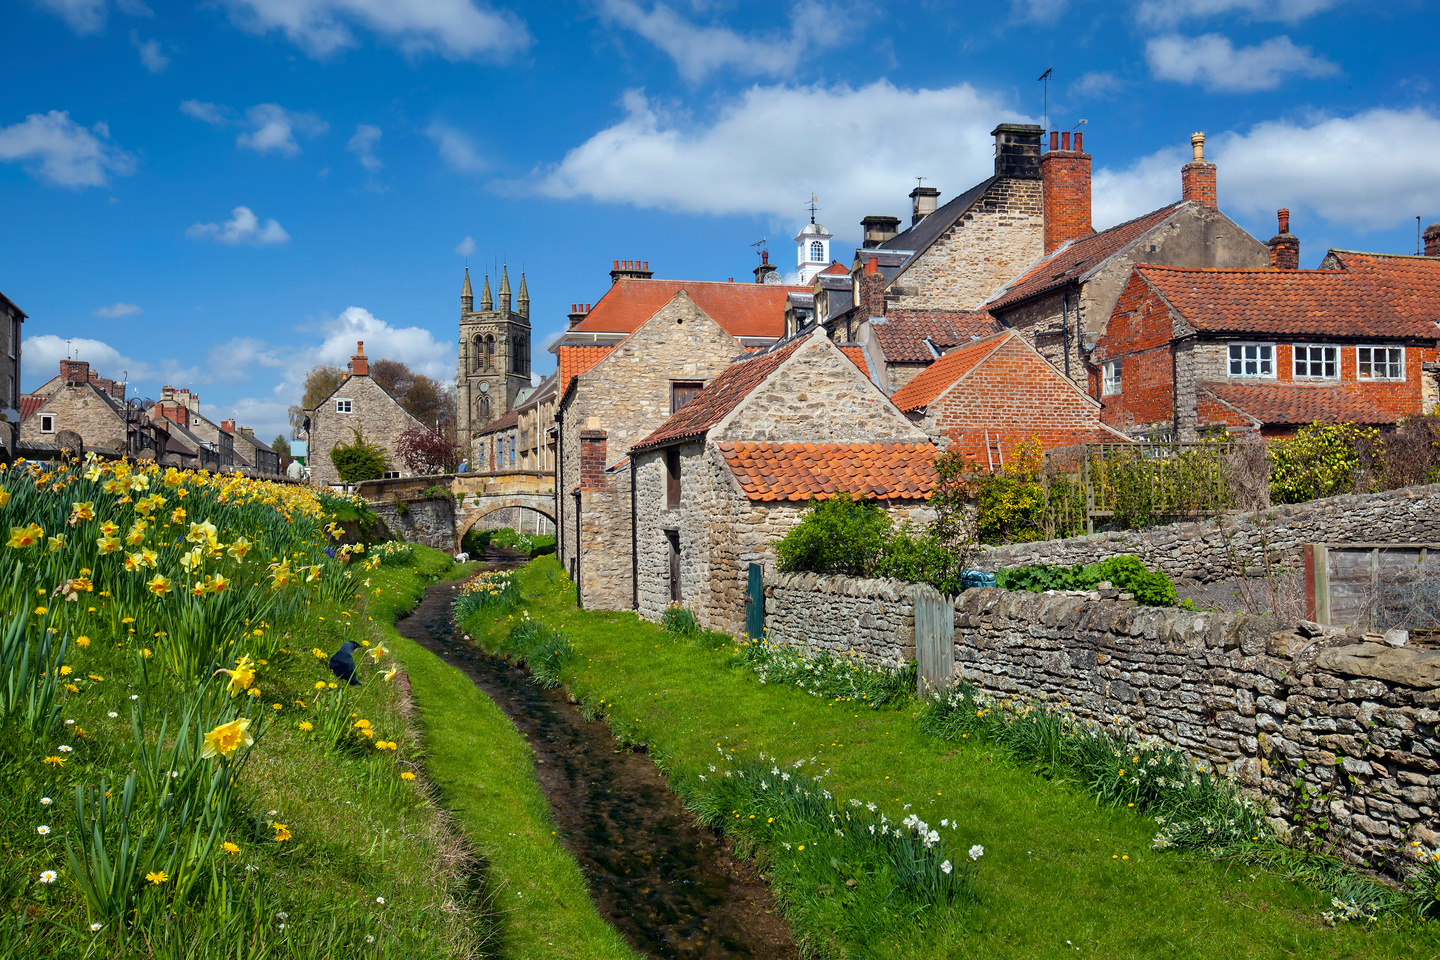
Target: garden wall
x=1234, y=690
x=1215, y=550
x=431, y=521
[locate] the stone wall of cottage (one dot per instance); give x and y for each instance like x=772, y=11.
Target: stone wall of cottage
x=431, y=522
x=1216, y=550
x=997, y=240
x=80, y=409
x=1354, y=721
x=373, y=412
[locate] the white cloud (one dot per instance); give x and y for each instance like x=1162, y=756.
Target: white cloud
x=1167, y=13
x=43, y=355
x=1370, y=171
x=150, y=54
x=243, y=228
x=699, y=51
x=456, y=148
x=1214, y=61
x=117, y=310
x=465, y=247
x=83, y=16
x=56, y=149
x=1096, y=85
x=210, y=113
x=363, y=146
x=273, y=129
x=858, y=148
x=135, y=8
x=455, y=29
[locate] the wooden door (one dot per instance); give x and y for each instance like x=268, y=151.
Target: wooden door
x=755, y=602
x=934, y=640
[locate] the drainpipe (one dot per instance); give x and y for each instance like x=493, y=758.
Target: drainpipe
x=579, y=599
x=559, y=486
x=634, y=543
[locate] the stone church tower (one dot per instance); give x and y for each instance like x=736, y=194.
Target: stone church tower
x=494, y=354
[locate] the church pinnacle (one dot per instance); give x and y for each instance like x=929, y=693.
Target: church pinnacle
x=523, y=300
x=486, y=302
x=505, y=289
x=467, y=295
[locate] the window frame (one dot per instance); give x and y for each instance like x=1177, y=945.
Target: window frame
x=1259, y=360
x=676, y=386
x=349, y=405
x=1332, y=361
x=1110, y=385
x=1400, y=378
x=672, y=478
x=47, y=417
x=390, y=475
x=817, y=252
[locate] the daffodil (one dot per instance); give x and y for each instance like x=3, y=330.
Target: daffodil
x=108, y=544
x=225, y=739
x=239, y=548
x=21, y=537
x=81, y=511
x=158, y=585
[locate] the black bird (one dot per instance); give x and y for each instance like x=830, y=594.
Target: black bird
x=343, y=663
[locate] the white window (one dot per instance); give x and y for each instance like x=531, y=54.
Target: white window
x=47, y=423
x=1380, y=363
x=1252, y=360
x=342, y=406
x=817, y=251
x=1317, y=363
x=389, y=474
x=1112, y=377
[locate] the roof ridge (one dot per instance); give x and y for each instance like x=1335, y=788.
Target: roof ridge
x=1248, y=271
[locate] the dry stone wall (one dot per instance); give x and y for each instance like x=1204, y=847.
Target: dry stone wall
x=431, y=522
x=1354, y=721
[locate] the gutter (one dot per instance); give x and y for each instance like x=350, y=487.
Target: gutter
x=634, y=545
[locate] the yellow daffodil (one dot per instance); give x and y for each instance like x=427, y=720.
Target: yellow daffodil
x=4, y=497
x=217, y=584
x=158, y=585
x=109, y=528
x=57, y=543
x=375, y=653
x=108, y=544
x=134, y=562
x=239, y=548
x=225, y=739
x=149, y=557
x=21, y=537
x=81, y=511
x=136, y=534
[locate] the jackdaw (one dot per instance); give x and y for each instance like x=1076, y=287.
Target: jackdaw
x=343, y=663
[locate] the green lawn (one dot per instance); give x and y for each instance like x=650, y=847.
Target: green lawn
x=485, y=774
x=1060, y=875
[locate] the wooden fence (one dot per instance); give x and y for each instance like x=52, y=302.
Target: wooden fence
x=1137, y=484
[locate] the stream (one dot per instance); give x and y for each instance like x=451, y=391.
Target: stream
x=669, y=886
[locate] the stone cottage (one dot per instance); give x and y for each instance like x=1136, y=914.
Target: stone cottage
x=730, y=473
x=983, y=399
x=359, y=403
x=249, y=452
x=212, y=444
x=79, y=401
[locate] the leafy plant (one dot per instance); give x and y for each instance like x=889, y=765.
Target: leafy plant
x=837, y=535
x=1126, y=573
x=1324, y=459
x=359, y=460
x=836, y=679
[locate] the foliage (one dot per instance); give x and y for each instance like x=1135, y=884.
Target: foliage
x=426, y=399
x=1322, y=460
x=680, y=621
x=1011, y=502
x=322, y=380
x=544, y=650
x=1126, y=573
x=281, y=446
x=838, y=535
x=360, y=460
x=422, y=450
x=497, y=593
x=846, y=679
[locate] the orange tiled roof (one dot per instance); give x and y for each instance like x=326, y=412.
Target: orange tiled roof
x=29, y=405
x=1371, y=295
x=836, y=267
x=802, y=471
x=724, y=394
x=937, y=378
x=503, y=423
x=857, y=357
x=1294, y=403
x=903, y=334
x=741, y=309
x=573, y=361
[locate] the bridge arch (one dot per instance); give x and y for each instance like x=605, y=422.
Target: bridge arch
x=472, y=512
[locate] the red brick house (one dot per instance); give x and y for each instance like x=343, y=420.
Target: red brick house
x=985, y=398
x=1267, y=351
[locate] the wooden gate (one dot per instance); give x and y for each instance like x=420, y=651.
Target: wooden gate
x=755, y=603
x=934, y=640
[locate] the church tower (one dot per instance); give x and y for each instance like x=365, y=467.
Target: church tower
x=494, y=354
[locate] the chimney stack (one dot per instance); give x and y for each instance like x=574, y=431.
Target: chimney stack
x=871, y=290
x=631, y=270
x=1432, y=240
x=578, y=312
x=1065, y=183
x=1017, y=150
x=75, y=371
x=878, y=230
x=1197, y=178
x=924, y=201
x=766, y=272
x=228, y=426
x=1284, y=246
x=359, y=364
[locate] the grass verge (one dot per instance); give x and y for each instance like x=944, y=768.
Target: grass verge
x=485, y=774
x=1062, y=873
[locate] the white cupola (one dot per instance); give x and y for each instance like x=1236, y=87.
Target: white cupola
x=812, y=248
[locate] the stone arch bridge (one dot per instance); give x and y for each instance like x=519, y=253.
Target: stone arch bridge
x=439, y=510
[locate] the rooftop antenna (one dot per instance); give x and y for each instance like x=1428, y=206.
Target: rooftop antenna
x=814, y=205
x=760, y=244
x=1419, y=242
x=1045, y=78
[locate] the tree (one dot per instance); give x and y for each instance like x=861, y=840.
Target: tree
x=322, y=380
x=424, y=398
x=422, y=450
x=281, y=446
x=361, y=460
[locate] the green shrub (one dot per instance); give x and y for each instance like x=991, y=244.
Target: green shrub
x=839, y=535
x=1323, y=460
x=1152, y=588
x=544, y=650
x=680, y=621
x=476, y=542
x=361, y=460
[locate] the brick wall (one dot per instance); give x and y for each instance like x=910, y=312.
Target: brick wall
x=592, y=459
x=1065, y=174
x=1197, y=182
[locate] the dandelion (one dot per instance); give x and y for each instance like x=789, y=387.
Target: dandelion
x=306, y=726
x=282, y=833
x=157, y=877
x=230, y=848
x=54, y=761
x=407, y=775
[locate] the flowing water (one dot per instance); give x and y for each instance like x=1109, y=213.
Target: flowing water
x=670, y=886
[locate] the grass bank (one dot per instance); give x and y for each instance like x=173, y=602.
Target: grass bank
x=485, y=775
x=1060, y=873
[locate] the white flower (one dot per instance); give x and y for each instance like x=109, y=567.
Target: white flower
x=112, y=714
x=369, y=938
x=46, y=801
x=48, y=876
x=282, y=915
x=944, y=823
x=96, y=927
x=134, y=696
x=976, y=852
x=380, y=900
x=42, y=830
x=945, y=867
x=64, y=748
x=69, y=723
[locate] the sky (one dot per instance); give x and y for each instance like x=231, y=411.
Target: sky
x=220, y=194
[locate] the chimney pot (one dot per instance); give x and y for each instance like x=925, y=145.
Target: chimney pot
x=1197, y=145
x=1078, y=141
x=1065, y=194
x=1054, y=139
x=1283, y=215
x=1197, y=178
x=617, y=264
x=1284, y=246
x=1432, y=240
x=1065, y=140
x=872, y=265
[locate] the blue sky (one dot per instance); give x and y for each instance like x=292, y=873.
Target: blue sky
x=220, y=194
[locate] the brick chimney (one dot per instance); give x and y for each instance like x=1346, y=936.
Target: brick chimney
x=1284, y=246
x=766, y=270
x=631, y=270
x=1197, y=178
x=578, y=312
x=878, y=230
x=1065, y=179
x=1017, y=150
x=923, y=202
x=75, y=371
x=1432, y=240
x=359, y=364
x=228, y=426
x=871, y=299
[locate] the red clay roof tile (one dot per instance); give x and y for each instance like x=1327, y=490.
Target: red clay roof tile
x=1294, y=403
x=741, y=309
x=804, y=471
x=575, y=360
x=857, y=357
x=937, y=378
x=29, y=405
x=902, y=336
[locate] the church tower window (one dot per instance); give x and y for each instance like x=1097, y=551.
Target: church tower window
x=490, y=351
x=817, y=251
